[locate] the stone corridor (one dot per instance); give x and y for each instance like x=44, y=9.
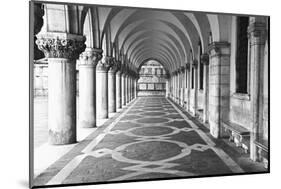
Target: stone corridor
x=152, y=138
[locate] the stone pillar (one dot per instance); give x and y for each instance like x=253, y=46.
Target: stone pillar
x=177, y=87
x=124, y=89
x=182, y=86
x=87, y=86
x=112, y=86
x=167, y=87
x=118, y=89
x=257, y=34
x=205, y=61
x=219, y=82
x=195, y=89
x=127, y=89
x=62, y=50
x=136, y=87
x=102, y=88
x=174, y=87
x=188, y=86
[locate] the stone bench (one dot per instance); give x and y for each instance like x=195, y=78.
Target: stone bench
x=238, y=134
x=262, y=146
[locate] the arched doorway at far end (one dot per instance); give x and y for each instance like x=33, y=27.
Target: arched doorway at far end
x=152, y=79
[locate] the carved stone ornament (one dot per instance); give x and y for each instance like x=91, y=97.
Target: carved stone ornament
x=115, y=66
x=257, y=33
x=106, y=64
x=205, y=59
x=187, y=65
x=218, y=48
x=91, y=56
x=194, y=64
x=60, y=45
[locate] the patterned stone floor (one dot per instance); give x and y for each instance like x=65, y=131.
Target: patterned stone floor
x=151, y=139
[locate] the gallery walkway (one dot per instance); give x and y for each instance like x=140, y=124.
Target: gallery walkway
x=150, y=139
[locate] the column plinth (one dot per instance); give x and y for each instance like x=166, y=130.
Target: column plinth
x=62, y=50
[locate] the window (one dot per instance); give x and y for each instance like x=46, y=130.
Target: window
x=242, y=55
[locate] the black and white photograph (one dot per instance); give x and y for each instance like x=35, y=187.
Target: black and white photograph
x=126, y=94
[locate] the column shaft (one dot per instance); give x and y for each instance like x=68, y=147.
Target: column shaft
x=102, y=93
x=87, y=95
x=118, y=90
x=257, y=34
x=219, y=73
x=124, y=89
x=61, y=101
x=111, y=91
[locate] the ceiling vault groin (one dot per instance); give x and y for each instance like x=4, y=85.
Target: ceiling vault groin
x=171, y=37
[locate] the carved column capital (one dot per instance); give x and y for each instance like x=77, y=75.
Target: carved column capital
x=91, y=56
x=105, y=65
x=219, y=49
x=115, y=66
x=187, y=66
x=61, y=45
x=205, y=59
x=257, y=33
x=182, y=69
x=195, y=64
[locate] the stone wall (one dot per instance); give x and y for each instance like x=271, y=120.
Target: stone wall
x=40, y=79
x=40, y=74
x=152, y=79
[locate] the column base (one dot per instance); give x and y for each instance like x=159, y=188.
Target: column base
x=63, y=137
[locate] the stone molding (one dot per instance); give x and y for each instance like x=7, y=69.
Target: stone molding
x=91, y=56
x=115, y=66
x=182, y=69
x=257, y=33
x=219, y=49
x=61, y=45
x=187, y=66
x=195, y=64
x=205, y=59
x=104, y=66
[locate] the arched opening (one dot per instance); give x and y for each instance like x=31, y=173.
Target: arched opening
x=152, y=79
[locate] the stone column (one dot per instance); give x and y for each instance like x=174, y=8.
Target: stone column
x=87, y=86
x=127, y=89
x=195, y=89
x=124, y=89
x=173, y=88
x=182, y=86
x=118, y=89
x=102, y=88
x=136, y=87
x=177, y=87
x=257, y=34
x=205, y=61
x=188, y=86
x=112, y=86
x=62, y=50
x=219, y=77
x=133, y=87
x=167, y=87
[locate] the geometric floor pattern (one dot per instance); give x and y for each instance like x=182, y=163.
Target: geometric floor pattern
x=151, y=139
